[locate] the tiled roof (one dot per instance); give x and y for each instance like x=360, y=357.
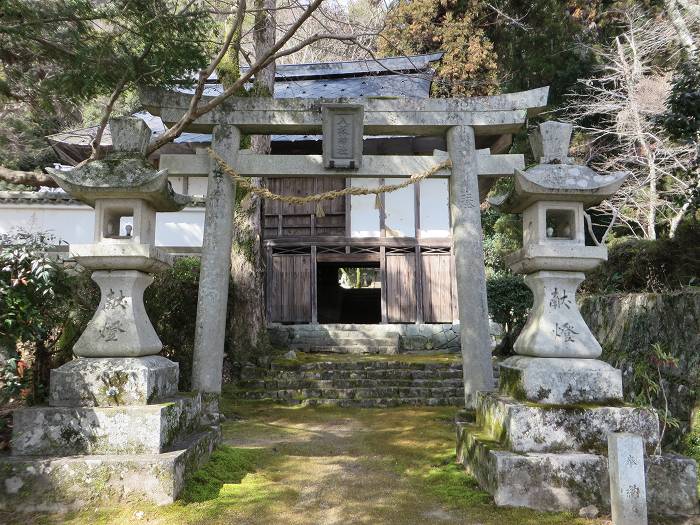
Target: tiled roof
x=393, y=76
x=55, y=197
x=37, y=197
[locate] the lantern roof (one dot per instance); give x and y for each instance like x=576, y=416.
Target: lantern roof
x=125, y=173
x=556, y=177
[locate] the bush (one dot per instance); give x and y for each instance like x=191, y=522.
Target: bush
x=636, y=265
x=509, y=301
x=32, y=286
x=171, y=303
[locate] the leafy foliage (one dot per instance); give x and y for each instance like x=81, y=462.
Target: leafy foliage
x=509, y=301
x=43, y=305
x=171, y=303
x=468, y=66
x=79, y=49
x=502, y=235
x=683, y=117
x=60, y=56
x=29, y=283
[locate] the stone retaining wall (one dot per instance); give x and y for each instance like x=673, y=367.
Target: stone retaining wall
x=627, y=325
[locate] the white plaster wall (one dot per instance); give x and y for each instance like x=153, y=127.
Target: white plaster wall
x=434, y=208
x=364, y=217
x=399, y=209
x=75, y=224
x=197, y=186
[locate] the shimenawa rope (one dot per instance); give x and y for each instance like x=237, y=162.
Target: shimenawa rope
x=328, y=195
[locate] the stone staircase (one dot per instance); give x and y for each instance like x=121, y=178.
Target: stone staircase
x=361, y=382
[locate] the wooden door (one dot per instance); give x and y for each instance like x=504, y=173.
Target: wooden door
x=401, y=287
x=437, y=287
x=289, y=294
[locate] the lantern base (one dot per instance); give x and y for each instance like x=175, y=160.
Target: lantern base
x=560, y=381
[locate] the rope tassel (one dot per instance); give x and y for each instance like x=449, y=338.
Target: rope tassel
x=378, y=201
x=319, y=210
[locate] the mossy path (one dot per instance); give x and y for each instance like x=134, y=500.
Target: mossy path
x=312, y=466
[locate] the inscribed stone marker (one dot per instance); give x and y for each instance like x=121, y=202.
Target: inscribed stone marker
x=628, y=497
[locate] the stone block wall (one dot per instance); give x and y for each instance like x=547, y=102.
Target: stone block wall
x=410, y=337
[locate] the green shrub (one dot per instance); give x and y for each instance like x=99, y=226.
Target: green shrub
x=32, y=288
x=509, y=301
x=636, y=265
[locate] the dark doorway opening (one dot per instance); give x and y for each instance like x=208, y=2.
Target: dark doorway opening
x=349, y=293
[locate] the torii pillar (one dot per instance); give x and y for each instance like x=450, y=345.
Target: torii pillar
x=468, y=249
x=215, y=271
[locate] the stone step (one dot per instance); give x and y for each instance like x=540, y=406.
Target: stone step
x=64, y=431
x=358, y=349
x=380, y=374
x=366, y=365
x=351, y=393
x=276, y=384
x=371, y=402
x=346, y=338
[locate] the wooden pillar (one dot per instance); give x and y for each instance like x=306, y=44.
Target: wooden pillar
x=314, y=286
x=215, y=272
x=382, y=278
x=469, y=264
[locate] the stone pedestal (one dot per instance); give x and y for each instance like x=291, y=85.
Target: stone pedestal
x=559, y=381
x=116, y=429
x=552, y=455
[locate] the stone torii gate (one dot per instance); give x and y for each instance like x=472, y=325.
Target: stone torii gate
x=471, y=176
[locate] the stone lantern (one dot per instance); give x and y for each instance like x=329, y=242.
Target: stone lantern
x=551, y=197
x=114, y=413
x=126, y=193
x=541, y=440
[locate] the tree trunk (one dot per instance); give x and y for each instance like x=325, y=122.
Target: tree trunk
x=653, y=199
x=685, y=36
x=248, y=337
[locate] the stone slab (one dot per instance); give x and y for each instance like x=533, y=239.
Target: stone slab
x=558, y=381
x=526, y=427
x=46, y=484
x=65, y=431
x=101, y=382
x=570, y=481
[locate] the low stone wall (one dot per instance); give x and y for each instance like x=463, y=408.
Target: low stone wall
x=627, y=325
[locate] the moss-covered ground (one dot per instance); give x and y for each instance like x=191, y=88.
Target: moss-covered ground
x=309, y=466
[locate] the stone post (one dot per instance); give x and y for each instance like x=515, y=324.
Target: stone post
x=210, y=330
x=628, y=495
x=469, y=264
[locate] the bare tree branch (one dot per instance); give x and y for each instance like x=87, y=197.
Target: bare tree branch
x=27, y=178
